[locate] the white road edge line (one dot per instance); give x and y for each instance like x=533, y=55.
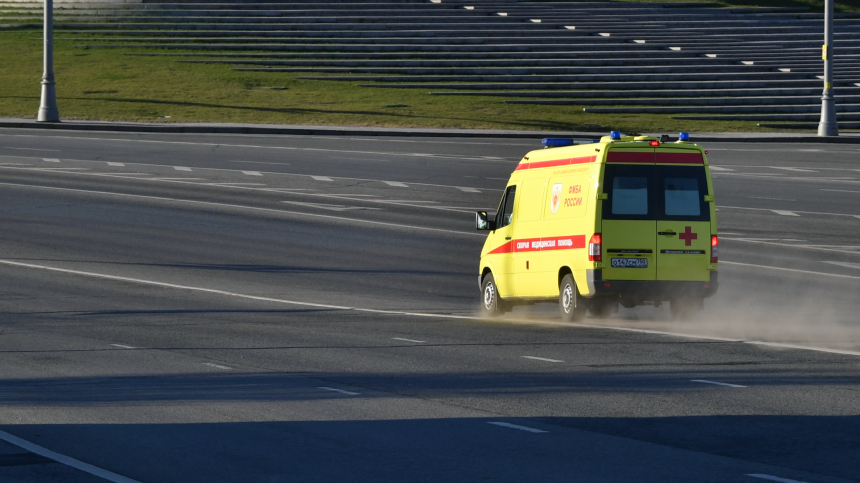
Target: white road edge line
x=423, y=314
x=773, y=478
x=123, y=346
x=66, y=460
x=516, y=426
x=217, y=366
x=227, y=205
x=409, y=340
x=808, y=272
x=704, y=381
x=540, y=359
x=348, y=393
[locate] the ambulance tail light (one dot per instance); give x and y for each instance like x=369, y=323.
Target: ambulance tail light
x=715, y=245
x=655, y=143
x=594, y=248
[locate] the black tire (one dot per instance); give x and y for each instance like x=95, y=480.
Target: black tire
x=570, y=304
x=602, y=309
x=491, y=304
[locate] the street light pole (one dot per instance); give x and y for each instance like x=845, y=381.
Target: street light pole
x=827, y=126
x=48, y=111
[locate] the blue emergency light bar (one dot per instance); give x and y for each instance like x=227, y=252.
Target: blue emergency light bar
x=615, y=135
x=562, y=142
x=684, y=136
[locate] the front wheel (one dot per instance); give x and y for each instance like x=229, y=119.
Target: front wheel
x=569, y=303
x=491, y=304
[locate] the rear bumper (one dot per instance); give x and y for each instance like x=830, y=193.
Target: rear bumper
x=651, y=290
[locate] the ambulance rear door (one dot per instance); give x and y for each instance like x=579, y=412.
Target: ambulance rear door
x=683, y=216
x=629, y=223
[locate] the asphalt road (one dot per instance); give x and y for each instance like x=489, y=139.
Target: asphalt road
x=275, y=308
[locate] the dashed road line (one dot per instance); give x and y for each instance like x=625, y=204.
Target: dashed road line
x=341, y=391
x=253, y=208
x=114, y=163
x=841, y=191
x=773, y=478
x=322, y=178
x=516, y=426
x=121, y=346
x=51, y=160
x=465, y=189
x=409, y=340
x=396, y=184
x=540, y=359
x=845, y=264
x=252, y=173
x=719, y=169
x=715, y=383
x=808, y=272
x=217, y=366
x=785, y=212
x=65, y=460
x=792, y=211
x=800, y=170
x=182, y=168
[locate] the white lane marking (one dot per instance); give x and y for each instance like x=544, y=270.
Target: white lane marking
x=396, y=184
x=176, y=179
x=409, y=340
x=516, y=426
x=845, y=264
x=717, y=168
x=326, y=206
x=785, y=212
x=348, y=393
x=541, y=359
x=113, y=163
x=773, y=478
x=793, y=211
x=51, y=160
x=31, y=149
x=468, y=190
x=66, y=460
x=794, y=169
x=121, y=346
x=232, y=185
x=703, y=381
x=791, y=270
x=252, y=173
x=842, y=191
x=216, y=366
x=270, y=210
x=424, y=314
x=768, y=241
x=182, y=168
x=322, y=178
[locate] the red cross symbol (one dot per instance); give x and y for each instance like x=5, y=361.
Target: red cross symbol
x=688, y=236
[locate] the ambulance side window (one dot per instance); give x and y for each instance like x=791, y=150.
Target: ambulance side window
x=506, y=208
x=631, y=192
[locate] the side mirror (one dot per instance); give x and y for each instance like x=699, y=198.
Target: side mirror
x=483, y=222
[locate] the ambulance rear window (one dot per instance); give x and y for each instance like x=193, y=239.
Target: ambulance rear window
x=682, y=193
x=631, y=192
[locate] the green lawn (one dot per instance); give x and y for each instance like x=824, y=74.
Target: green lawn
x=106, y=84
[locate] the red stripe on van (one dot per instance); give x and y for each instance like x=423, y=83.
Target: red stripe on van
x=624, y=157
x=569, y=242
x=679, y=158
x=556, y=162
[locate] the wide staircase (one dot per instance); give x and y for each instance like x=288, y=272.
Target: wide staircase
x=688, y=60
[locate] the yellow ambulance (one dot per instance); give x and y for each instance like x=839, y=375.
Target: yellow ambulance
x=625, y=219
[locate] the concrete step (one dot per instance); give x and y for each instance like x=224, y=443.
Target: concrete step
x=727, y=102
x=633, y=95
x=780, y=109
x=840, y=117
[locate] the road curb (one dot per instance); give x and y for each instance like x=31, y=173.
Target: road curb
x=268, y=129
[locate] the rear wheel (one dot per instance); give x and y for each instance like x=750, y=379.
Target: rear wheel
x=491, y=304
x=569, y=303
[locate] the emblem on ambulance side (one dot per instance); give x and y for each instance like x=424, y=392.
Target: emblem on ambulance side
x=556, y=197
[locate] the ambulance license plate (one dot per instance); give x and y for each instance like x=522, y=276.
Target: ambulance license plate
x=629, y=263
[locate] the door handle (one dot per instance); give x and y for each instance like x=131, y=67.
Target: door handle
x=670, y=232
x=507, y=238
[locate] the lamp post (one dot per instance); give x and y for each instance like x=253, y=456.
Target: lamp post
x=827, y=126
x=48, y=111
